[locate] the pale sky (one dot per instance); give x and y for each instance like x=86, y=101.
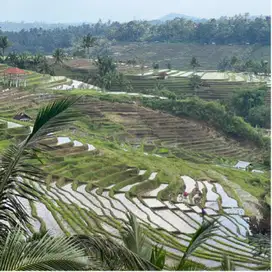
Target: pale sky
x=64, y=11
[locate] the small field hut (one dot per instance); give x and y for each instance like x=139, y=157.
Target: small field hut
x=243, y=165
x=22, y=117
x=14, y=76
x=162, y=75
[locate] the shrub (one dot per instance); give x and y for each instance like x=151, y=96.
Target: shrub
x=213, y=113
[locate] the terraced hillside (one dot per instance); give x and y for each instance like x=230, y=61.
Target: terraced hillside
x=120, y=156
x=219, y=86
x=40, y=82
x=156, y=129
x=92, y=185
x=180, y=54
x=135, y=125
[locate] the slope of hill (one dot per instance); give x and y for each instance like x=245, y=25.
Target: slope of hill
x=93, y=182
x=120, y=156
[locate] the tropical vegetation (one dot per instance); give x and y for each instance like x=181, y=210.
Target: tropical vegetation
x=240, y=29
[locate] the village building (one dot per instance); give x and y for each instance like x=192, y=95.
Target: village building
x=14, y=76
x=243, y=165
x=162, y=75
x=22, y=117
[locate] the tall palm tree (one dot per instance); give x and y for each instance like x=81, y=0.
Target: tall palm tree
x=88, y=42
x=59, y=56
x=12, y=59
x=35, y=60
x=44, y=67
x=194, y=63
x=4, y=44
x=23, y=60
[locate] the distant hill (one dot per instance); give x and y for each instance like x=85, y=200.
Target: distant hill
x=172, y=16
x=18, y=26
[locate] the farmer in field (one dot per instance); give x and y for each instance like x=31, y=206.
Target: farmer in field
x=203, y=212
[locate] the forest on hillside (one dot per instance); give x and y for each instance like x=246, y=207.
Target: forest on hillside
x=240, y=29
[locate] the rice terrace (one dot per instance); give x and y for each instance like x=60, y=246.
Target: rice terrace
x=136, y=146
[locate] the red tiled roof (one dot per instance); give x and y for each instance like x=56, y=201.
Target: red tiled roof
x=15, y=71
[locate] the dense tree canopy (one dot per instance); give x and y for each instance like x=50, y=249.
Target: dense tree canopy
x=239, y=29
x=250, y=104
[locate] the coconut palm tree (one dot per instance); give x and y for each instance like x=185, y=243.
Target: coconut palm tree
x=88, y=42
x=59, y=56
x=12, y=59
x=105, y=64
x=194, y=63
x=4, y=44
x=35, y=60
x=44, y=67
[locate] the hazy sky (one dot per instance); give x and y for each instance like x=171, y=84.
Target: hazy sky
x=123, y=10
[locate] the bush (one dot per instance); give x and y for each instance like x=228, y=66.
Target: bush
x=213, y=113
x=259, y=116
x=195, y=82
x=156, y=66
x=250, y=104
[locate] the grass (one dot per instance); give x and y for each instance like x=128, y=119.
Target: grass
x=175, y=187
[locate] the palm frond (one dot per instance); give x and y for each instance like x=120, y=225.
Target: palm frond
x=205, y=231
x=227, y=264
x=15, y=165
x=261, y=245
x=52, y=118
x=158, y=257
x=48, y=253
x=113, y=255
x=134, y=237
